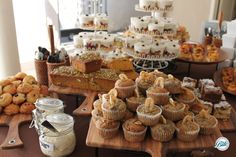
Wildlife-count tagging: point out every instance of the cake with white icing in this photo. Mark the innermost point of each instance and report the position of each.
(130, 41)
(91, 44)
(86, 20)
(101, 22)
(148, 4)
(156, 28)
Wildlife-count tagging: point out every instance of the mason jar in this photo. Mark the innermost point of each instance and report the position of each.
(60, 142)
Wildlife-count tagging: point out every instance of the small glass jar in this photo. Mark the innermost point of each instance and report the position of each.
(44, 107)
(61, 142)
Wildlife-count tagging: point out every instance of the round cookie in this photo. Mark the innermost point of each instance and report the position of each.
(11, 88)
(5, 99)
(18, 98)
(27, 108)
(32, 96)
(17, 83)
(44, 90)
(5, 82)
(20, 75)
(12, 78)
(36, 87)
(29, 79)
(11, 109)
(24, 88)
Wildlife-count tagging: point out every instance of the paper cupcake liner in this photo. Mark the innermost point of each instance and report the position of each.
(125, 92)
(208, 130)
(174, 115)
(108, 133)
(187, 136)
(162, 137)
(112, 115)
(148, 120)
(131, 105)
(159, 98)
(134, 136)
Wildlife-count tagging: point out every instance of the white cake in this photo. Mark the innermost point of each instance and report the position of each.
(164, 4)
(91, 44)
(142, 49)
(130, 41)
(156, 28)
(147, 4)
(86, 20)
(101, 22)
(172, 49)
(149, 18)
(157, 49)
(140, 25)
(78, 41)
(106, 42)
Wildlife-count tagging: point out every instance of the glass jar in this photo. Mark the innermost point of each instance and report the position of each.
(44, 107)
(61, 142)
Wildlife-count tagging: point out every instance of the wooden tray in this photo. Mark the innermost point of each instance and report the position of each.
(154, 148)
(230, 125)
(218, 82)
(13, 139)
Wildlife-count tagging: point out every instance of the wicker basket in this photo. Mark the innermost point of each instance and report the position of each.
(41, 71)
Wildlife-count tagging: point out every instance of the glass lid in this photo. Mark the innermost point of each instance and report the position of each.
(49, 104)
(60, 119)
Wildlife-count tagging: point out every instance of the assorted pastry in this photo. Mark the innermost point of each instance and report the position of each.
(19, 93)
(152, 5)
(228, 78)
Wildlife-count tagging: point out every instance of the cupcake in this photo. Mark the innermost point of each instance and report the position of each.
(125, 86)
(134, 130)
(187, 130)
(158, 73)
(187, 96)
(207, 122)
(128, 115)
(158, 93)
(113, 108)
(149, 113)
(174, 111)
(173, 85)
(96, 114)
(133, 102)
(163, 131)
(107, 128)
(97, 104)
(145, 81)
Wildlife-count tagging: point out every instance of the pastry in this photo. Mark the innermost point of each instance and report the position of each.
(78, 41)
(174, 111)
(32, 96)
(107, 43)
(187, 96)
(11, 88)
(86, 20)
(164, 4)
(147, 4)
(172, 49)
(140, 25)
(27, 108)
(198, 53)
(142, 49)
(18, 98)
(130, 41)
(211, 93)
(185, 52)
(101, 22)
(20, 75)
(222, 110)
(173, 85)
(96, 114)
(29, 79)
(134, 130)
(102, 80)
(24, 88)
(145, 81)
(199, 105)
(87, 62)
(158, 93)
(5, 99)
(187, 129)
(36, 87)
(11, 109)
(122, 64)
(205, 82)
(149, 113)
(125, 86)
(113, 108)
(157, 50)
(107, 128)
(91, 44)
(156, 28)
(44, 90)
(189, 83)
(158, 73)
(17, 83)
(207, 123)
(163, 131)
(133, 102)
(5, 82)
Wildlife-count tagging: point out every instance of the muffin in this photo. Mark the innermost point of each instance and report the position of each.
(107, 128)
(97, 104)
(125, 87)
(114, 108)
(133, 102)
(144, 81)
(96, 114)
(207, 122)
(134, 130)
(149, 113)
(187, 96)
(173, 85)
(163, 131)
(174, 111)
(128, 115)
(187, 130)
(158, 93)
(158, 73)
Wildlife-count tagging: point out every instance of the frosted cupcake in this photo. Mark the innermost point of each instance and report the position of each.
(97, 104)
(149, 113)
(134, 130)
(207, 123)
(125, 87)
(107, 128)
(133, 102)
(187, 130)
(163, 131)
(96, 114)
(113, 108)
(173, 85)
(158, 93)
(174, 111)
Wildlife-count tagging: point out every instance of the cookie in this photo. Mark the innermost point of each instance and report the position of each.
(24, 88)
(12, 78)
(29, 79)
(18, 98)
(5, 99)
(5, 82)
(44, 90)
(20, 75)
(32, 96)
(11, 109)
(11, 88)
(36, 87)
(17, 83)
(27, 108)
(1, 90)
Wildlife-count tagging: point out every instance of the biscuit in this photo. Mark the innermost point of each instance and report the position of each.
(32, 96)
(36, 87)
(11, 78)
(17, 83)
(29, 79)
(11, 88)
(11, 109)
(27, 108)
(24, 88)
(5, 99)
(5, 82)
(20, 75)
(18, 98)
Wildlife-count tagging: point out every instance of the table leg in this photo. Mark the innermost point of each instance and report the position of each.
(189, 68)
(96, 152)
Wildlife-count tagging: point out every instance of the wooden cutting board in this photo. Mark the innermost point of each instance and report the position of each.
(154, 148)
(230, 125)
(12, 139)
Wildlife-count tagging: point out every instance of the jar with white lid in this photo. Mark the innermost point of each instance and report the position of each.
(44, 107)
(60, 142)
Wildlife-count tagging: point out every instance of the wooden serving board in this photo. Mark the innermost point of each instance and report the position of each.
(230, 125)
(154, 148)
(12, 139)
